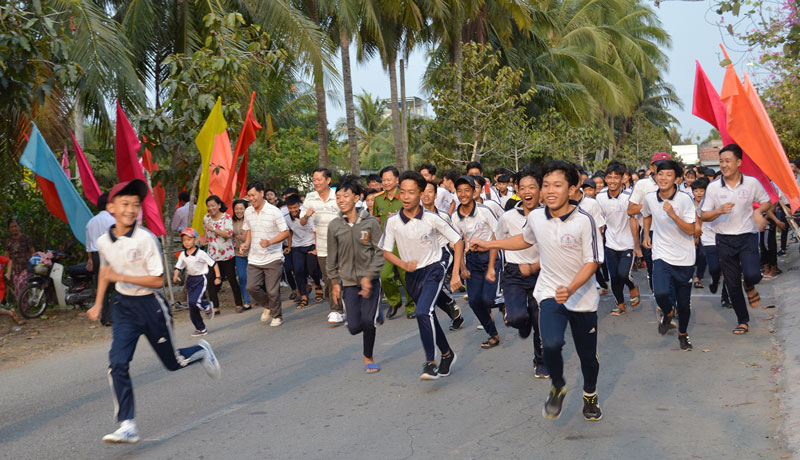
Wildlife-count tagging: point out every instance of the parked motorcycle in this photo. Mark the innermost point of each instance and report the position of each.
(50, 283)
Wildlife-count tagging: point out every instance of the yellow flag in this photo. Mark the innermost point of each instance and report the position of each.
(215, 124)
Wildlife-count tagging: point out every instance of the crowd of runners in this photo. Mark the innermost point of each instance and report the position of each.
(535, 249)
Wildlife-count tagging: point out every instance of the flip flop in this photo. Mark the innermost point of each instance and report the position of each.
(302, 304)
(617, 311)
(753, 298)
(635, 299)
(739, 330)
(372, 368)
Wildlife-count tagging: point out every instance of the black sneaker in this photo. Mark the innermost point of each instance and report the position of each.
(457, 323)
(446, 362)
(392, 311)
(713, 287)
(781, 252)
(540, 371)
(453, 310)
(664, 324)
(727, 304)
(429, 372)
(525, 330)
(686, 344)
(591, 408)
(552, 407)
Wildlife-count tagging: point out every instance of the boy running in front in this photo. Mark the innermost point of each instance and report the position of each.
(130, 257)
(569, 253)
(196, 262)
(416, 233)
(354, 261)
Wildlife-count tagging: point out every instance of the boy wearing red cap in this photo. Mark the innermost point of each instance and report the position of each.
(196, 262)
(130, 257)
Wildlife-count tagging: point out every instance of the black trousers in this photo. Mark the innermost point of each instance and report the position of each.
(227, 268)
(739, 258)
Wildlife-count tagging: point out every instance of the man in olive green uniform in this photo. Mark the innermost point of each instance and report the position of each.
(387, 203)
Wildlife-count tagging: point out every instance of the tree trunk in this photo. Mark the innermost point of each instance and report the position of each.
(352, 140)
(77, 119)
(404, 112)
(399, 161)
(458, 58)
(319, 90)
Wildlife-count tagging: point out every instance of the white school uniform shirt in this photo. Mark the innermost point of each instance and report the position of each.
(503, 199)
(443, 199)
(618, 223)
(324, 213)
(708, 237)
(97, 226)
(495, 207)
(590, 205)
(479, 223)
(565, 245)
(302, 235)
(417, 237)
(670, 243)
(511, 224)
(264, 225)
(135, 253)
(642, 188)
(195, 264)
(443, 214)
(740, 220)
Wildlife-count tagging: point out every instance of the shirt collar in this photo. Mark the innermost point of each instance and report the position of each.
(725, 184)
(472, 213)
(565, 216)
(518, 208)
(619, 192)
(128, 234)
(405, 218)
(394, 197)
(658, 195)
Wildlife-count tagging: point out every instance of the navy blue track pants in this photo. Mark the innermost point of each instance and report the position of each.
(553, 320)
(362, 312)
(522, 311)
(480, 291)
(424, 286)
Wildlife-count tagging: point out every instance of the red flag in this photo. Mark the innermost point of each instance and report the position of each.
(128, 168)
(90, 188)
(51, 200)
(708, 106)
(246, 137)
(749, 124)
(147, 159)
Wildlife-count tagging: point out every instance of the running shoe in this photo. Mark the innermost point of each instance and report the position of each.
(446, 363)
(276, 322)
(591, 408)
(686, 344)
(335, 318)
(727, 304)
(392, 311)
(713, 287)
(540, 371)
(663, 325)
(457, 323)
(552, 407)
(199, 333)
(265, 316)
(127, 433)
(209, 308)
(429, 372)
(210, 362)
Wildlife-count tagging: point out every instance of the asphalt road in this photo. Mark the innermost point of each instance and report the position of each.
(298, 392)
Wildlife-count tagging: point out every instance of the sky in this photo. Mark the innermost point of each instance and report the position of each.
(689, 23)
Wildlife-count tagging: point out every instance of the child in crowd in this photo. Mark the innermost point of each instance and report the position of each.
(196, 262)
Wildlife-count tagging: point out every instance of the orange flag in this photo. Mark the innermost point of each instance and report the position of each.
(749, 124)
(220, 166)
(246, 137)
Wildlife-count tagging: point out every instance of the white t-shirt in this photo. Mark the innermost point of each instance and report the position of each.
(134, 254)
(641, 188)
(618, 223)
(264, 225)
(497, 210)
(195, 264)
(97, 226)
(670, 243)
(479, 223)
(590, 205)
(511, 224)
(565, 245)
(740, 220)
(443, 199)
(708, 236)
(324, 213)
(417, 237)
(302, 235)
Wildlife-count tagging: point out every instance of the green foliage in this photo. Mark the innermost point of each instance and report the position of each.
(287, 160)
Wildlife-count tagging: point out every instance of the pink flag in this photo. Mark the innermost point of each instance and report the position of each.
(129, 168)
(90, 188)
(65, 162)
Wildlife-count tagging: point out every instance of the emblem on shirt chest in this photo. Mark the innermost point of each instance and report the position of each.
(366, 235)
(569, 241)
(133, 255)
(742, 194)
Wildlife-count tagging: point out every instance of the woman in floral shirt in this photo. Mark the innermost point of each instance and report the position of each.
(241, 256)
(219, 237)
(20, 250)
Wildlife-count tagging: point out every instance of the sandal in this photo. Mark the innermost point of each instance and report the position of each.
(372, 368)
(318, 291)
(293, 295)
(618, 310)
(740, 330)
(302, 304)
(752, 297)
(698, 285)
(635, 299)
(239, 309)
(491, 342)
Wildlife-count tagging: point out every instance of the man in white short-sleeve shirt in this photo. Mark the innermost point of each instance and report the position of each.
(569, 251)
(728, 205)
(265, 230)
(670, 213)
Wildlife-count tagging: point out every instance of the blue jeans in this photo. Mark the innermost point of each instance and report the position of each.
(241, 273)
(481, 292)
(553, 319)
(669, 279)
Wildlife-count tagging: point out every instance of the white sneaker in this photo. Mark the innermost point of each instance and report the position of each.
(335, 318)
(284, 284)
(276, 322)
(265, 316)
(127, 433)
(480, 327)
(210, 362)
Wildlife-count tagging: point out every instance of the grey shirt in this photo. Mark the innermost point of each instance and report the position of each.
(353, 250)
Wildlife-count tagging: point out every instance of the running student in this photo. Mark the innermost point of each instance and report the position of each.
(354, 265)
(130, 257)
(196, 262)
(416, 233)
(708, 243)
(474, 220)
(301, 250)
(568, 242)
(670, 213)
(445, 300)
(621, 237)
(522, 268)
